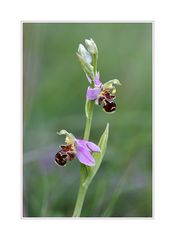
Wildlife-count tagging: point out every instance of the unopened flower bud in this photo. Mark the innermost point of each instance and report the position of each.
(84, 53)
(91, 46)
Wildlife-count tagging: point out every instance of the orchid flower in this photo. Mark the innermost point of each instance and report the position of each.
(82, 149)
(103, 94)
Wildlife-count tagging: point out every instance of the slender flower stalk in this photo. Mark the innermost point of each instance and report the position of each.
(89, 120)
(83, 169)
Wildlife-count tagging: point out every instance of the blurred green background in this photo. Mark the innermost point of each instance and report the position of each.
(54, 88)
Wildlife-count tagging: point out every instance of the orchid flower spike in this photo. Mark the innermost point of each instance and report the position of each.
(103, 94)
(73, 148)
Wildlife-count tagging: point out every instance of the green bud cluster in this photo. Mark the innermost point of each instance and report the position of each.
(87, 56)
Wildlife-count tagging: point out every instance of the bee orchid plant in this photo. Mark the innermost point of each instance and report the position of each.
(89, 154)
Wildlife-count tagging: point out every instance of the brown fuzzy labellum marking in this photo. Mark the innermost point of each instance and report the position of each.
(109, 106)
(106, 99)
(60, 158)
(67, 153)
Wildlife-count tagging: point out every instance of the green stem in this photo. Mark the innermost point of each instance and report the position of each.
(80, 200)
(89, 121)
(83, 168)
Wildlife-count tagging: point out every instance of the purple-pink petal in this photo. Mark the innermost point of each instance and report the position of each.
(92, 93)
(84, 156)
(93, 147)
(82, 143)
(88, 145)
(97, 79)
(84, 149)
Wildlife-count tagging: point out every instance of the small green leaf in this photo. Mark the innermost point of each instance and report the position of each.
(98, 156)
(87, 107)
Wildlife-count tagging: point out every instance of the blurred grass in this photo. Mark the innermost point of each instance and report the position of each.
(54, 98)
